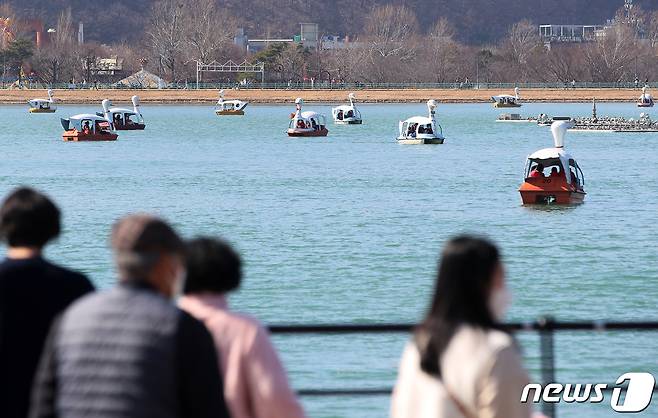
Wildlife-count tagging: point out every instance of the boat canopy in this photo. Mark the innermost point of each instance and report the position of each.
(48, 101)
(554, 156)
(507, 98)
(87, 116)
(76, 121)
(346, 112)
(310, 114)
(344, 108)
(37, 102)
(549, 154)
(123, 111)
(419, 119)
(306, 120)
(229, 104)
(646, 98)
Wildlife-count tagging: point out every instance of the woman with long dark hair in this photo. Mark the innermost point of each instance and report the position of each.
(461, 361)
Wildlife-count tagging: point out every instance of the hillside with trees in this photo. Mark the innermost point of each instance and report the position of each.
(474, 21)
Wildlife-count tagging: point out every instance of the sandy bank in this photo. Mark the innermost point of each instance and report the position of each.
(331, 96)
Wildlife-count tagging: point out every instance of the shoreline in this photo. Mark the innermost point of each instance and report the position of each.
(257, 96)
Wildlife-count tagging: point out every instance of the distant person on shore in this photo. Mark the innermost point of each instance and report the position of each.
(129, 351)
(461, 362)
(33, 292)
(255, 383)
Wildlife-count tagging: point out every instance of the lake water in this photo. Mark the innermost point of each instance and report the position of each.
(347, 229)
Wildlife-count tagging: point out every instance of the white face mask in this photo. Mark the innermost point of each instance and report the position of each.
(179, 284)
(499, 301)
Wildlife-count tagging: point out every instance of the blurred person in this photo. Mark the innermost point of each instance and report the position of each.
(555, 172)
(574, 179)
(537, 171)
(129, 351)
(33, 291)
(461, 361)
(255, 383)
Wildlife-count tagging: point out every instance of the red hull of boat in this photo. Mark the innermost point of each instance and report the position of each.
(80, 137)
(321, 132)
(542, 191)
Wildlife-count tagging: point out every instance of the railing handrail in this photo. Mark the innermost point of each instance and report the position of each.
(539, 325)
(546, 327)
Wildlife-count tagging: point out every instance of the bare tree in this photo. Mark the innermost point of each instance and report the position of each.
(564, 63)
(293, 62)
(520, 52)
(166, 34)
(652, 28)
(523, 40)
(611, 55)
(390, 42)
(206, 29)
(444, 51)
(390, 28)
(348, 64)
(58, 60)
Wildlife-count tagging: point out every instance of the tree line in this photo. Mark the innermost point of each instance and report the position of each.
(392, 46)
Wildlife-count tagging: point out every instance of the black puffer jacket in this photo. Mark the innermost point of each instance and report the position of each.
(128, 352)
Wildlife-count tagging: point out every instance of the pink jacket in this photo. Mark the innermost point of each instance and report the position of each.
(255, 384)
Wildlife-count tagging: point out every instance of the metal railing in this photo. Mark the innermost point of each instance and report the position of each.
(326, 85)
(545, 327)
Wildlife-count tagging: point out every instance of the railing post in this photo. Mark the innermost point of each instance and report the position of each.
(547, 351)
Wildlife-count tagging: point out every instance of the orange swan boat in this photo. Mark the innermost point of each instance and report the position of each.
(564, 184)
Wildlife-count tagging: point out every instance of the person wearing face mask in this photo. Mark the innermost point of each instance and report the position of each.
(130, 351)
(461, 362)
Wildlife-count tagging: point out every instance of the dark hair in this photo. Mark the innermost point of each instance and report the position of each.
(461, 297)
(28, 218)
(212, 266)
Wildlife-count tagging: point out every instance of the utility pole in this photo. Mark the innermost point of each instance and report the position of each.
(477, 71)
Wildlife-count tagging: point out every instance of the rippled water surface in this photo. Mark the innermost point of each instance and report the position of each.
(348, 228)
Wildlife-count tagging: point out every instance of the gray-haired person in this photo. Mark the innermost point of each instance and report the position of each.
(129, 351)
